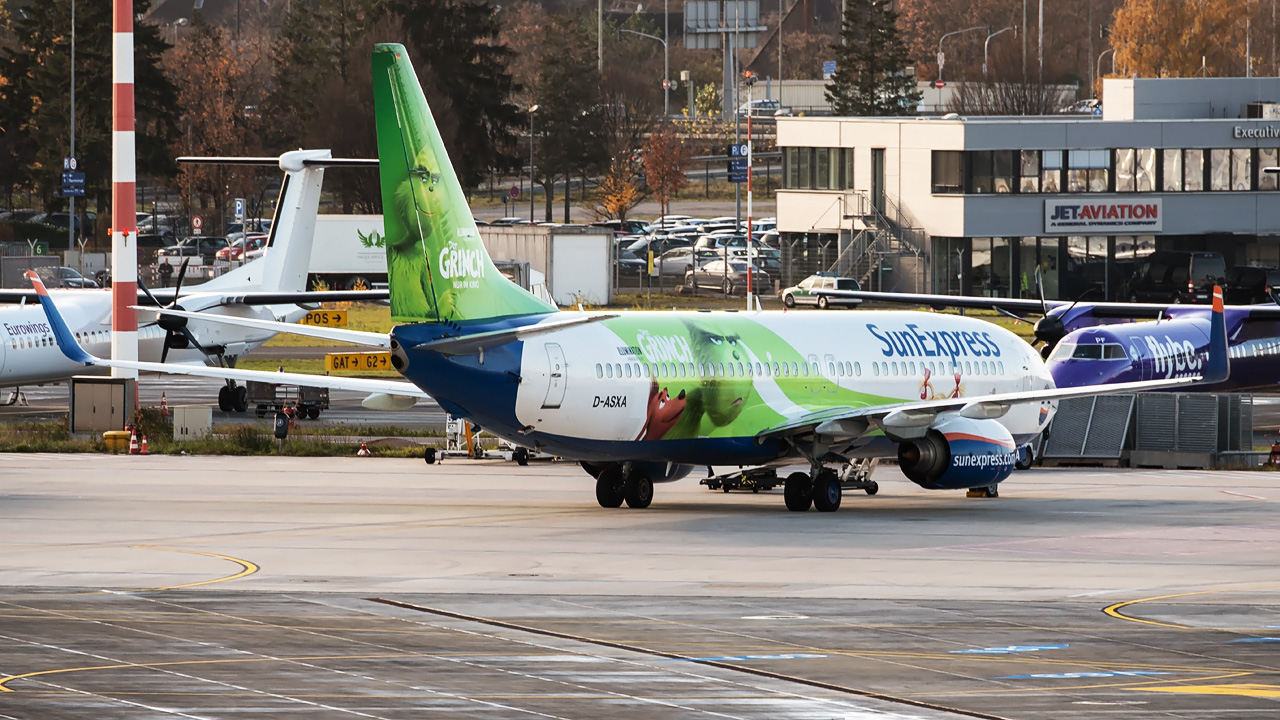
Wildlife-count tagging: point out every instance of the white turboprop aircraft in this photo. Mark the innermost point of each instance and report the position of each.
(268, 288)
(644, 397)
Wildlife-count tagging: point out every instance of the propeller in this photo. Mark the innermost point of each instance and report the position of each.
(1050, 329)
(177, 335)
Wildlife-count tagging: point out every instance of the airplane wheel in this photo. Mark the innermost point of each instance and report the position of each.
(639, 492)
(430, 455)
(872, 488)
(1024, 458)
(520, 456)
(797, 492)
(224, 399)
(240, 399)
(610, 487)
(827, 492)
(823, 302)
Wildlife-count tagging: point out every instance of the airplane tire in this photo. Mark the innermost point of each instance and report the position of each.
(827, 492)
(639, 492)
(610, 487)
(796, 492)
(224, 399)
(240, 399)
(520, 456)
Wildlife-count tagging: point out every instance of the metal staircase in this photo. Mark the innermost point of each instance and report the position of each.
(877, 240)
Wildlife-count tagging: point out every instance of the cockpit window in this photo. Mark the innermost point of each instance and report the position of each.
(1107, 351)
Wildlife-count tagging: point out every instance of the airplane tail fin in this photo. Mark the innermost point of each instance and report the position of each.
(1218, 367)
(437, 266)
(283, 268)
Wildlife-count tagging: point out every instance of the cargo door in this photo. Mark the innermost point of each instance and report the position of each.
(555, 376)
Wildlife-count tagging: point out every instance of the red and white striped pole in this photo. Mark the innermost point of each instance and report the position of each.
(124, 220)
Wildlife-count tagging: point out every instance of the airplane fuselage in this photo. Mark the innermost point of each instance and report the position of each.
(699, 387)
(1176, 347)
(29, 355)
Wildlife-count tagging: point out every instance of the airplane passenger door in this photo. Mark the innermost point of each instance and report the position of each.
(555, 376)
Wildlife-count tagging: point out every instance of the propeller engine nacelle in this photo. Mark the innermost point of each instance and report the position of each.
(958, 453)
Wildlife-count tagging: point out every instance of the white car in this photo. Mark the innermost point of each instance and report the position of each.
(762, 108)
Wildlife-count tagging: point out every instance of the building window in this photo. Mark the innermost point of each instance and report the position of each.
(1193, 170)
(1267, 157)
(824, 167)
(1030, 172)
(948, 171)
(1230, 169)
(1135, 170)
(847, 168)
(991, 171)
(1088, 170)
(1172, 170)
(1051, 171)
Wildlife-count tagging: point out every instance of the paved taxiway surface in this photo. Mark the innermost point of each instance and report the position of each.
(227, 587)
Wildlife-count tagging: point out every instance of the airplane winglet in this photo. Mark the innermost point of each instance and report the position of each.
(65, 338)
(1218, 367)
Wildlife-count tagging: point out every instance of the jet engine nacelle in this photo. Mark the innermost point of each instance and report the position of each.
(958, 453)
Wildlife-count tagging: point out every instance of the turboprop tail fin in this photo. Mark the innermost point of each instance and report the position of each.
(437, 266)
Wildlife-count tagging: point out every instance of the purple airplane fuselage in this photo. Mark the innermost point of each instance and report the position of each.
(1111, 350)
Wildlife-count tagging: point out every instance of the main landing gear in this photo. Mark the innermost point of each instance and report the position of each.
(233, 398)
(616, 484)
(820, 488)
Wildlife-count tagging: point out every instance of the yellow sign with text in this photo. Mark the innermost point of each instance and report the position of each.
(325, 318)
(356, 361)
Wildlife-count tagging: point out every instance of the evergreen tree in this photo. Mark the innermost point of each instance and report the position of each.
(870, 63)
(569, 125)
(35, 102)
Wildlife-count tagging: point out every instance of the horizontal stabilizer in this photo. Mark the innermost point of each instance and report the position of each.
(355, 337)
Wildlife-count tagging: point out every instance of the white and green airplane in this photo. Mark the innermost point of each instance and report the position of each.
(644, 397)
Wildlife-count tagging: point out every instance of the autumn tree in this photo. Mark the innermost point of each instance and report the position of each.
(664, 165)
(618, 192)
(1171, 38)
(871, 60)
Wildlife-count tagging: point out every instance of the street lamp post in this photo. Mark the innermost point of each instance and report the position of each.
(986, 46)
(1097, 71)
(666, 72)
(532, 109)
(941, 57)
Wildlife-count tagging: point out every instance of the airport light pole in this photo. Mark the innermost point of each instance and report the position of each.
(666, 70)
(124, 196)
(941, 57)
(1097, 73)
(986, 47)
(532, 109)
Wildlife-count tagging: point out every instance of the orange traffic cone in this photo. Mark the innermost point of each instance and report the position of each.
(133, 442)
(164, 404)
(144, 450)
(364, 450)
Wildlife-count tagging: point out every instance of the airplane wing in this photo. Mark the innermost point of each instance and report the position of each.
(1025, 305)
(69, 347)
(850, 421)
(468, 344)
(355, 337)
(249, 298)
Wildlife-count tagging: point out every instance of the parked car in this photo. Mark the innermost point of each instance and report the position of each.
(731, 280)
(1247, 285)
(237, 248)
(1170, 276)
(677, 262)
(624, 227)
(629, 265)
(762, 108)
(806, 293)
(659, 245)
(63, 277)
(765, 258)
(205, 248)
(22, 216)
